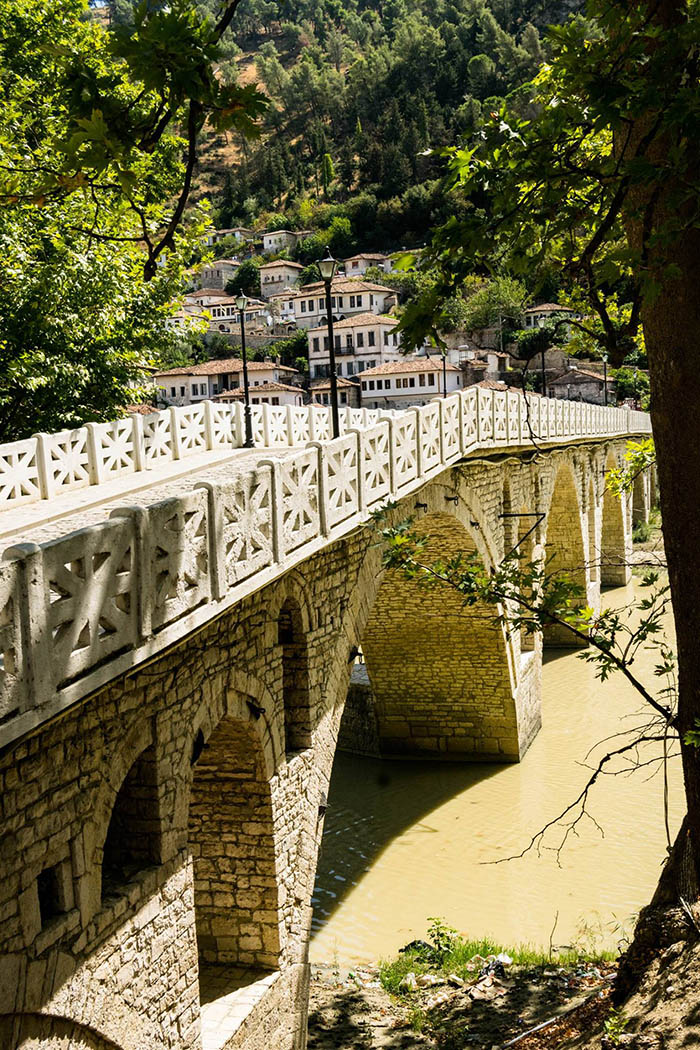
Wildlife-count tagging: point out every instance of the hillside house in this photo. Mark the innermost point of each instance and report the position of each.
(282, 306)
(279, 275)
(278, 240)
(582, 384)
(356, 265)
(266, 394)
(348, 393)
(190, 384)
(348, 297)
(239, 233)
(400, 384)
(218, 272)
(225, 316)
(536, 316)
(361, 342)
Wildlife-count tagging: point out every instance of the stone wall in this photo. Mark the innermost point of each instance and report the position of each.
(185, 762)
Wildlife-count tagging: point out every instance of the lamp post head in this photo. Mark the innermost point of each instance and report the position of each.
(241, 302)
(328, 266)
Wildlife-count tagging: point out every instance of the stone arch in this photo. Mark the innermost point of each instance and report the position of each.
(230, 833)
(291, 639)
(35, 1030)
(443, 676)
(615, 535)
(133, 838)
(565, 546)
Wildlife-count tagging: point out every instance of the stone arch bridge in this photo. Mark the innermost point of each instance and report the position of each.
(173, 680)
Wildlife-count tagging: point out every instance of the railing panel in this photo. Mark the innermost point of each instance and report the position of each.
(256, 422)
(429, 435)
(469, 415)
(67, 460)
(12, 674)
(158, 438)
(116, 448)
(513, 405)
(299, 499)
(91, 598)
(299, 420)
(177, 557)
(19, 473)
(376, 463)
(222, 425)
(192, 431)
(405, 456)
(485, 405)
(341, 459)
(450, 427)
(277, 431)
(246, 507)
(500, 417)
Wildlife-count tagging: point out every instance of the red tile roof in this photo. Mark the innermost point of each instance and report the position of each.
(359, 321)
(417, 364)
(222, 366)
(263, 388)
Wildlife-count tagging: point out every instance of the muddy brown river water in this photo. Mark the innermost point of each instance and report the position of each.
(405, 841)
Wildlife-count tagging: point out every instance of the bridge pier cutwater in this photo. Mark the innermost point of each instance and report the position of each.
(172, 688)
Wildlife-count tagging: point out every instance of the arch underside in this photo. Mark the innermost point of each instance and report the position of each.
(443, 679)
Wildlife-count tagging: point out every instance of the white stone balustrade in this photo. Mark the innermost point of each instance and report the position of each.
(79, 610)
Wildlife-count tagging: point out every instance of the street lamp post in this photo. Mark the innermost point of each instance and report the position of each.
(544, 376)
(241, 303)
(328, 268)
(605, 379)
(444, 375)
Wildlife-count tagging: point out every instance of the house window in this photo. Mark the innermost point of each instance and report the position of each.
(358, 300)
(182, 391)
(173, 391)
(395, 338)
(336, 342)
(348, 341)
(364, 384)
(326, 344)
(303, 307)
(421, 379)
(340, 302)
(371, 300)
(316, 345)
(386, 339)
(350, 368)
(340, 368)
(352, 301)
(412, 381)
(355, 265)
(370, 338)
(343, 399)
(371, 364)
(275, 401)
(360, 339)
(431, 379)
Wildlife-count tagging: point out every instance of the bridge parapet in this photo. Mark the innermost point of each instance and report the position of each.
(77, 611)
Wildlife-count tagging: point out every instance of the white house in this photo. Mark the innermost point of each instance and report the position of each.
(205, 297)
(276, 276)
(239, 233)
(356, 265)
(348, 297)
(360, 342)
(225, 316)
(412, 381)
(266, 394)
(218, 272)
(189, 384)
(536, 316)
(277, 240)
(348, 393)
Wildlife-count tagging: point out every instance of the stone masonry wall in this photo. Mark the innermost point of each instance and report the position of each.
(82, 968)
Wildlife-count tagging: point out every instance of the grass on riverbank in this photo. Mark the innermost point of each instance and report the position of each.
(447, 952)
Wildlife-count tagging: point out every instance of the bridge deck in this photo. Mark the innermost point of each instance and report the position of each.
(77, 509)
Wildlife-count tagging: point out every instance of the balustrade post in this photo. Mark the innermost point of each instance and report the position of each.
(289, 419)
(37, 684)
(419, 445)
(94, 451)
(275, 507)
(217, 554)
(360, 439)
(138, 441)
(43, 465)
(138, 517)
(209, 424)
(322, 485)
(175, 432)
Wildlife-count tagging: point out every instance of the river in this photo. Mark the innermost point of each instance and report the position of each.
(405, 841)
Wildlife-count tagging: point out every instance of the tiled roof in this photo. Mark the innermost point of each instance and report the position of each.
(324, 384)
(281, 262)
(418, 364)
(264, 388)
(366, 255)
(215, 262)
(218, 292)
(221, 367)
(359, 321)
(548, 308)
(572, 373)
(346, 285)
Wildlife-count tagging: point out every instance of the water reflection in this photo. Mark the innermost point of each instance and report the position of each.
(405, 841)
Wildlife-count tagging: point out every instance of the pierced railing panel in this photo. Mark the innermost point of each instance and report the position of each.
(513, 406)
(276, 431)
(177, 556)
(257, 425)
(19, 472)
(192, 430)
(429, 436)
(485, 405)
(158, 442)
(91, 598)
(223, 427)
(500, 416)
(405, 451)
(115, 445)
(299, 421)
(376, 463)
(341, 482)
(67, 460)
(246, 507)
(469, 418)
(451, 446)
(298, 496)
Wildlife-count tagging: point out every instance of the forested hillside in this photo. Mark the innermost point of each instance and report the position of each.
(358, 93)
